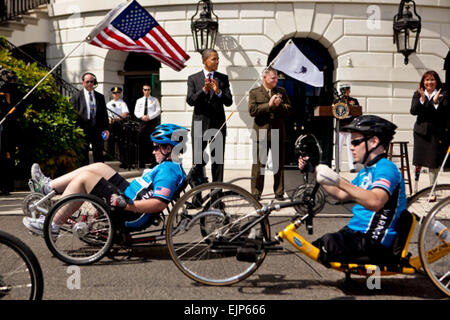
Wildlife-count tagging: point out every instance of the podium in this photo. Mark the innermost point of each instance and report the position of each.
(330, 111)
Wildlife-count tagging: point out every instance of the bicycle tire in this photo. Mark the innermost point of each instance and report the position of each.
(87, 236)
(211, 259)
(14, 266)
(434, 246)
(418, 202)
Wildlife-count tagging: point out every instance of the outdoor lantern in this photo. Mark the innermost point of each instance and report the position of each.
(406, 29)
(204, 27)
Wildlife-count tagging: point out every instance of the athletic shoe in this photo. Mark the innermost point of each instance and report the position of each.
(36, 226)
(40, 181)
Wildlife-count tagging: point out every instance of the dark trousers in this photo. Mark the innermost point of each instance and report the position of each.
(346, 244)
(200, 159)
(258, 169)
(93, 137)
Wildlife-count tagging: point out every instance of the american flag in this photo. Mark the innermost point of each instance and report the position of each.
(129, 27)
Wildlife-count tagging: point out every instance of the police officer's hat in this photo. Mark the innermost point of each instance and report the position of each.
(116, 89)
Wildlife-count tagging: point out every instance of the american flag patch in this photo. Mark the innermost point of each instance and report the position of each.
(382, 183)
(162, 191)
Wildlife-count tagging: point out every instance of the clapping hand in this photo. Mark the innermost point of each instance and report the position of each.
(436, 97)
(275, 100)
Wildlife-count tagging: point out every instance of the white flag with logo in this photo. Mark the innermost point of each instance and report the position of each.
(292, 62)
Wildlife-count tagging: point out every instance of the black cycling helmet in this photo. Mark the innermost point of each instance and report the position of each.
(372, 126)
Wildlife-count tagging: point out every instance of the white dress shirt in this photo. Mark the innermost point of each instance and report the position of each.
(153, 107)
(118, 107)
(88, 103)
(430, 97)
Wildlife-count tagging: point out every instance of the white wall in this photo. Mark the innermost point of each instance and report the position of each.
(357, 34)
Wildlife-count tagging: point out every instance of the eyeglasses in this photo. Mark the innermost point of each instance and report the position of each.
(156, 147)
(146, 89)
(357, 142)
(89, 81)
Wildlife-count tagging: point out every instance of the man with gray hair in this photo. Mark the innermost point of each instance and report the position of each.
(208, 92)
(269, 105)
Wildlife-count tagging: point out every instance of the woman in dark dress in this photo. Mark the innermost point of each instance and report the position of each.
(431, 131)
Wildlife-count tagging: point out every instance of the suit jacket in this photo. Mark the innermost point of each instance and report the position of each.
(268, 117)
(430, 121)
(208, 108)
(101, 116)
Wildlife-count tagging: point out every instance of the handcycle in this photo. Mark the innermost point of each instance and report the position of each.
(238, 236)
(20, 272)
(240, 240)
(95, 229)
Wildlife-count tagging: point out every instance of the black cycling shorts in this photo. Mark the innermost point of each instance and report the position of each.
(105, 188)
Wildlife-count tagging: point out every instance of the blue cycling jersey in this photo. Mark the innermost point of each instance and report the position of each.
(161, 182)
(380, 225)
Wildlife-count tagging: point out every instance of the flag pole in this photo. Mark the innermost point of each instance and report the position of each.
(257, 80)
(42, 80)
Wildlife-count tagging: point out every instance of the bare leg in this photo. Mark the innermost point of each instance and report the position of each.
(99, 169)
(83, 182)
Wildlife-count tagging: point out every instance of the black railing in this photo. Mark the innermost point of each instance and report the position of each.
(9, 9)
(65, 88)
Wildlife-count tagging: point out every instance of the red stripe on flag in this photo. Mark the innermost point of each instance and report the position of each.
(173, 43)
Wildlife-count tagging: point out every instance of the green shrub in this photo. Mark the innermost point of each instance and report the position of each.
(45, 129)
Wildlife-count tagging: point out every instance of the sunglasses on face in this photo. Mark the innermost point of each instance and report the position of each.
(89, 81)
(146, 89)
(357, 142)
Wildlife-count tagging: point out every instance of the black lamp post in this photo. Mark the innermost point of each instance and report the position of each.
(406, 29)
(204, 26)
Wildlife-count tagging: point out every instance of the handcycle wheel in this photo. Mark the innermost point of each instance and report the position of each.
(418, 203)
(32, 198)
(434, 245)
(20, 272)
(303, 192)
(199, 239)
(86, 236)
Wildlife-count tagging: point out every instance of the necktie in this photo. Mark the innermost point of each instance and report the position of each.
(145, 107)
(209, 76)
(92, 108)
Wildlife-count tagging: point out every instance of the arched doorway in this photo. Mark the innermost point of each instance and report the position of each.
(304, 98)
(140, 68)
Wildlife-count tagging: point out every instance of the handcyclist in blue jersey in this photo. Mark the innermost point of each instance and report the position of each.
(378, 190)
(147, 194)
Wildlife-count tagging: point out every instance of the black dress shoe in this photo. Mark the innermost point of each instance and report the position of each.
(279, 197)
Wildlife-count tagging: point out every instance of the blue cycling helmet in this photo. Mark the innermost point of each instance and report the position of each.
(163, 134)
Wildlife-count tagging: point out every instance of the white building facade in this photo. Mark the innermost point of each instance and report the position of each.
(357, 35)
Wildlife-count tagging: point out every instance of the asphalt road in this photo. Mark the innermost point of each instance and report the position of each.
(147, 273)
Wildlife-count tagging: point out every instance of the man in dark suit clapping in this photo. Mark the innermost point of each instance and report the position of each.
(208, 92)
(92, 116)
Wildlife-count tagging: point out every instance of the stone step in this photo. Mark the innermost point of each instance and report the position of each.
(4, 31)
(15, 25)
